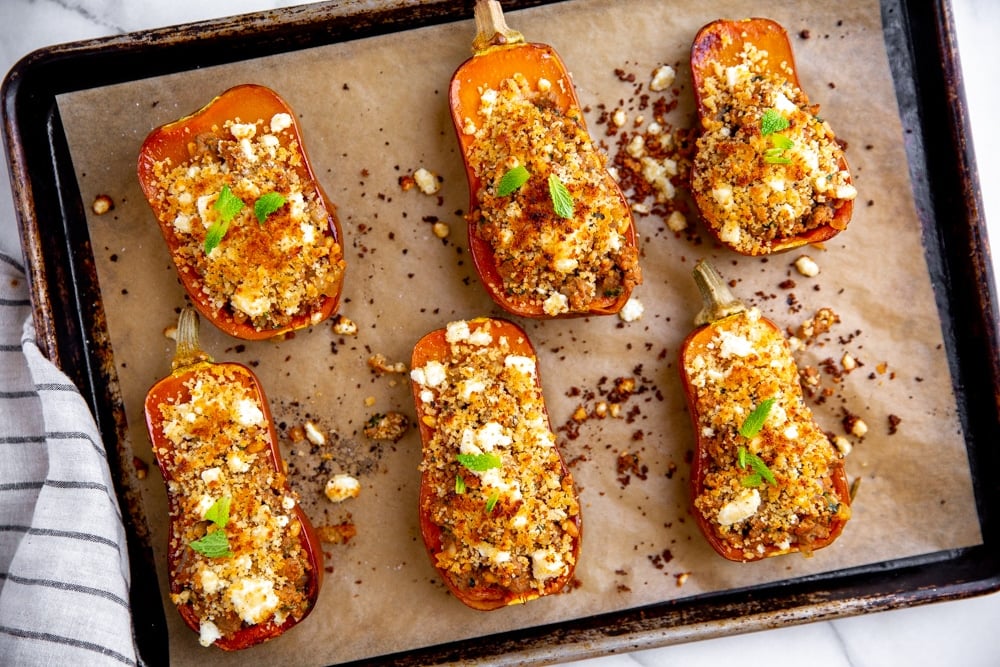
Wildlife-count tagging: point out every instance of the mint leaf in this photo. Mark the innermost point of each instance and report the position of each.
(741, 456)
(267, 204)
(218, 513)
(562, 201)
(459, 485)
(772, 122)
(755, 420)
(512, 180)
(227, 205)
(214, 235)
(491, 502)
(213, 545)
(479, 462)
(760, 468)
(781, 142)
(761, 472)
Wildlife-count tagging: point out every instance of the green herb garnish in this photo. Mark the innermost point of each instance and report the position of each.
(218, 513)
(267, 204)
(227, 205)
(776, 154)
(459, 485)
(213, 545)
(512, 180)
(479, 462)
(562, 201)
(491, 502)
(751, 427)
(761, 472)
(755, 420)
(772, 122)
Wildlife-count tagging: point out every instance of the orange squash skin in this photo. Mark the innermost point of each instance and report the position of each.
(171, 141)
(172, 388)
(489, 69)
(721, 42)
(434, 346)
(695, 344)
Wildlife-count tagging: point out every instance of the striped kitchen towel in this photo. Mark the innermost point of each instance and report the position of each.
(64, 574)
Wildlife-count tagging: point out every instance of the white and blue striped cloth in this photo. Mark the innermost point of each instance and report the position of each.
(64, 574)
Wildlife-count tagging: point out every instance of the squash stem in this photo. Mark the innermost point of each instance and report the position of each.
(188, 348)
(491, 28)
(717, 300)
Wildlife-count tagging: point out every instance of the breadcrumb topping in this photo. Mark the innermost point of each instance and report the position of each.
(515, 525)
(564, 263)
(748, 362)
(267, 273)
(752, 187)
(219, 449)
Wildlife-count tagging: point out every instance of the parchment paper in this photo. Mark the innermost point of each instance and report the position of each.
(374, 110)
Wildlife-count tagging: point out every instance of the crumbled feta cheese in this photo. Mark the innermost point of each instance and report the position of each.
(663, 78)
(342, 486)
(313, 433)
(243, 131)
(555, 304)
(743, 507)
(430, 375)
(427, 181)
(676, 221)
(208, 633)
(806, 266)
(280, 121)
(236, 463)
(632, 310)
(734, 345)
(344, 326)
(546, 564)
(253, 599)
(248, 413)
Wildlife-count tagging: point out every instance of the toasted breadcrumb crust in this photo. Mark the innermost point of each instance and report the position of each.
(484, 399)
(747, 362)
(219, 448)
(268, 273)
(749, 199)
(564, 264)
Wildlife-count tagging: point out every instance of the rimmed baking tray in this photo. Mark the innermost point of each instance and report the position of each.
(923, 55)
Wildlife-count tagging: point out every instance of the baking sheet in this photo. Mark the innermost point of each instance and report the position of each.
(367, 121)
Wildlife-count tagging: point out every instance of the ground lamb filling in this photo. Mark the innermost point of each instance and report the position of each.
(747, 363)
(514, 526)
(220, 444)
(268, 273)
(564, 264)
(747, 192)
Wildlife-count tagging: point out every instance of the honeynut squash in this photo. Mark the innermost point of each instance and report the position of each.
(550, 232)
(244, 563)
(765, 480)
(768, 173)
(255, 241)
(499, 513)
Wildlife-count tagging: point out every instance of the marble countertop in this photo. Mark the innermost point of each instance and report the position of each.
(954, 633)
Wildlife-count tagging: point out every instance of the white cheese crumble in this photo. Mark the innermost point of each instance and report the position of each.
(342, 486)
(743, 507)
(208, 633)
(427, 181)
(632, 310)
(663, 78)
(253, 599)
